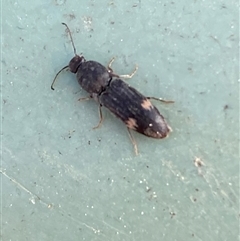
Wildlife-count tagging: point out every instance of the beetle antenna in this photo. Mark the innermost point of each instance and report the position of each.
(74, 49)
(57, 76)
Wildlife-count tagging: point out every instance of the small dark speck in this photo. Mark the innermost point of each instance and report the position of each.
(149, 189)
(60, 152)
(194, 199)
(226, 107)
(196, 189)
(72, 16)
(198, 162)
(89, 142)
(112, 22)
(172, 214)
(147, 166)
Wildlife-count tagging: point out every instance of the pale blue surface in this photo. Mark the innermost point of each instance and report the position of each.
(91, 186)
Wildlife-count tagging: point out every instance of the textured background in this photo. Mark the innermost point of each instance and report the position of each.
(61, 180)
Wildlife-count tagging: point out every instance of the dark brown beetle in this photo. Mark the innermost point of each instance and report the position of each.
(125, 102)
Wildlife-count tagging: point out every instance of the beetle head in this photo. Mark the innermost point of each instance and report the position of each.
(75, 62)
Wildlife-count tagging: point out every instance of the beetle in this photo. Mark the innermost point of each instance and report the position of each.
(109, 90)
(92, 76)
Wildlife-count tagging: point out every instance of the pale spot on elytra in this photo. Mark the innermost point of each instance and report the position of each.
(131, 123)
(146, 104)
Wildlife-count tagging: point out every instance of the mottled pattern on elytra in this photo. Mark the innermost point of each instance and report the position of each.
(128, 104)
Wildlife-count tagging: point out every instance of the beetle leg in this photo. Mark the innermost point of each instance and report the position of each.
(85, 98)
(133, 141)
(125, 76)
(161, 99)
(100, 115)
(110, 63)
(129, 76)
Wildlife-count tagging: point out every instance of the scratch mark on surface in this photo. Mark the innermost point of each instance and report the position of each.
(174, 170)
(53, 160)
(189, 230)
(92, 228)
(117, 230)
(96, 231)
(208, 173)
(33, 198)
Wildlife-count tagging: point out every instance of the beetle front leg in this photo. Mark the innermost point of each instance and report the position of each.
(125, 76)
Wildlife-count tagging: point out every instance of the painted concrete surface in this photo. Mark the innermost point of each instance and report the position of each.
(62, 180)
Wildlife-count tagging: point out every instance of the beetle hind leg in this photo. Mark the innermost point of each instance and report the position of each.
(161, 99)
(133, 141)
